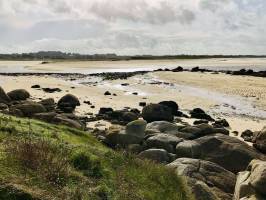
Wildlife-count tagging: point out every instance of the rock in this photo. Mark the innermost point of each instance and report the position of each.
(28, 109)
(51, 90)
(167, 128)
(87, 102)
(104, 111)
(259, 140)
(207, 180)
(129, 116)
(181, 114)
(47, 117)
(221, 123)
(135, 110)
(116, 137)
(107, 93)
(15, 112)
(202, 121)
(18, 95)
(157, 155)
(135, 148)
(36, 86)
(188, 149)
(172, 105)
(163, 141)
(247, 135)
(136, 128)
(68, 103)
(4, 98)
(258, 176)
(228, 152)
(251, 183)
(157, 112)
(194, 132)
(62, 120)
(142, 104)
(3, 106)
(49, 104)
(198, 113)
(178, 69)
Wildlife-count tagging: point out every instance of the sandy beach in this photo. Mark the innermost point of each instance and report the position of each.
(241, 100)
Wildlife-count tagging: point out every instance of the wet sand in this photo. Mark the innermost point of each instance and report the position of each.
(241, 100)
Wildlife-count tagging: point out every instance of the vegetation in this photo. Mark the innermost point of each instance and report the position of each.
(57, 55)
(44, 161)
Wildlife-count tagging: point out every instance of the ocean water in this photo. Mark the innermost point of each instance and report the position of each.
(88, 67)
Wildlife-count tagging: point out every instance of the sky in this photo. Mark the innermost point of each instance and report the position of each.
(134, 27)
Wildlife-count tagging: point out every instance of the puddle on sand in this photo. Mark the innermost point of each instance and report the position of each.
(227, 104)
(127, 89)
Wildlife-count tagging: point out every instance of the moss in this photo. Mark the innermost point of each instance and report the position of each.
(96, 172)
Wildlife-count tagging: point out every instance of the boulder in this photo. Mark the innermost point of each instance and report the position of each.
(228, 152)
(194, 132)
(157, 155)
(164, 126)
(258, 176)
(62, 120)
(4, 98)
(251, 183)
(29, 108)
(49, 104)
(172, 105)
(129, 117)
(157, 112)
(207, 180)
(47, 116)
(188, 149)
(136, 128)
(163, 141)
(167, 128)
(68, 103)
(133, 134)
(198, 113)
(120, 138)
(18, 95)
(259, 140)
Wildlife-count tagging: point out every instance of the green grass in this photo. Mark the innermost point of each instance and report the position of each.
(93, 170)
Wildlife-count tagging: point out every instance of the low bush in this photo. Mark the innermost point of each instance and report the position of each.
(90, 167)
(49, 159)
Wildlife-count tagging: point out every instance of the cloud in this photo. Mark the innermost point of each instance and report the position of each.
(134, 26)
(142, 11)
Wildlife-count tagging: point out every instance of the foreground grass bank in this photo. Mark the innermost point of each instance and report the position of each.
(44, 161)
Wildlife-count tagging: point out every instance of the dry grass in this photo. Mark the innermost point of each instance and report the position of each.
(48, 159)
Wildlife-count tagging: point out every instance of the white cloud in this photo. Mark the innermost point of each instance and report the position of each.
(134, 26)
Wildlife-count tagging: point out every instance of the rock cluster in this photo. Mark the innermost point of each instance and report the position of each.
(204, 153)
(18, 103)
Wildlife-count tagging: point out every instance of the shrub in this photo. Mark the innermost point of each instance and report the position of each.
(48, 159)
(90, 167)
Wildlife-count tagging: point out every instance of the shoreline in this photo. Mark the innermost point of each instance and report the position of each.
(92, 88)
